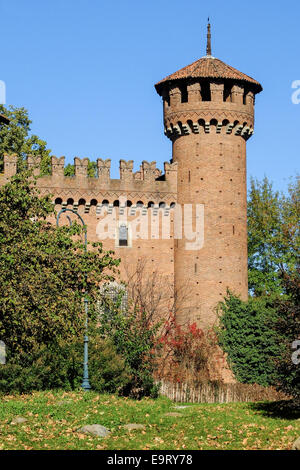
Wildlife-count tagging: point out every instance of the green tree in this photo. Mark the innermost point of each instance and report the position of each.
(44, 271)
(273, 235)
(59, 366)
(91, 170)
(134, 335)
(287, 328)
(247, 335)
(16, 138)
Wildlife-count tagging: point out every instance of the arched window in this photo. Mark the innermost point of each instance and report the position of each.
(58, 201)
(140, 204)
(114, 298)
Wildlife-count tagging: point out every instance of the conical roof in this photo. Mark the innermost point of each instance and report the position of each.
(211, 68)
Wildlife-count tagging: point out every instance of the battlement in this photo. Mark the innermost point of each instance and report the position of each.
(215, 108)
(148, 185)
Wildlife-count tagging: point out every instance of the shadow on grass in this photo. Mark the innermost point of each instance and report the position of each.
(285, 409)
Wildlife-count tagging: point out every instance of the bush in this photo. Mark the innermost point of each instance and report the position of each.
(107, 369)
(133, 335)
(287, 328)
(184, 352)
(246, 334)
(61, 368)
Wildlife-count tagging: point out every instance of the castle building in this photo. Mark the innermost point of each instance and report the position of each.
(208, 116)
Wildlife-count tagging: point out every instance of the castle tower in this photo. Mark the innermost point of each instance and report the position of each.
(209, 116)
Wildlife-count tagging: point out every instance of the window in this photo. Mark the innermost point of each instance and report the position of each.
(184, 94)
(114, 298)
(205, 91)
(123, 235)
(167, 99)
(227, 92)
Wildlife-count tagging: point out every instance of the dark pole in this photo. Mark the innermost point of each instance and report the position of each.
(85, 382)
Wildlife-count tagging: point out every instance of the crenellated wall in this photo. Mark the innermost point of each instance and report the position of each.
(209, 107)
(145, 199)
(148, 184)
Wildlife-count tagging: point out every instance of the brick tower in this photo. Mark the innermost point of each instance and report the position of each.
(209, 116)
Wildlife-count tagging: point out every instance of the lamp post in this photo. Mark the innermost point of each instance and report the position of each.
(85, 382)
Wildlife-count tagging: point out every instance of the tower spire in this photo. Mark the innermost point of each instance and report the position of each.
(208, 47)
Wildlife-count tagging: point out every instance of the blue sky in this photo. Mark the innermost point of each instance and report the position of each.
(86, 69)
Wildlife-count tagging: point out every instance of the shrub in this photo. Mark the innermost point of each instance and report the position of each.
(61, 367)
(185, 352)
(246, 334)
(287, 329)
(133, 335)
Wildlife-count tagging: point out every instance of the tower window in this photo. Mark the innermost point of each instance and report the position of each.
(167, 99)
(205, 91)
(227, 97)
(123, 235)
(166, 96)
(184, 94)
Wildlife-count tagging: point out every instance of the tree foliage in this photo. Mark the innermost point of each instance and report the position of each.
(185, 352)
(133, 334)
(246, 334)
(16, 138)
(59, 366)
(273, 235)
(287, 328)
(91, 170)
(44, 271)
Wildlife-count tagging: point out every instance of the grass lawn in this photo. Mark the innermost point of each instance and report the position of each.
(53, 420)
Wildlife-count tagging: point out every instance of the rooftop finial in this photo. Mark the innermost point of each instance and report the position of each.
(208, 48)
